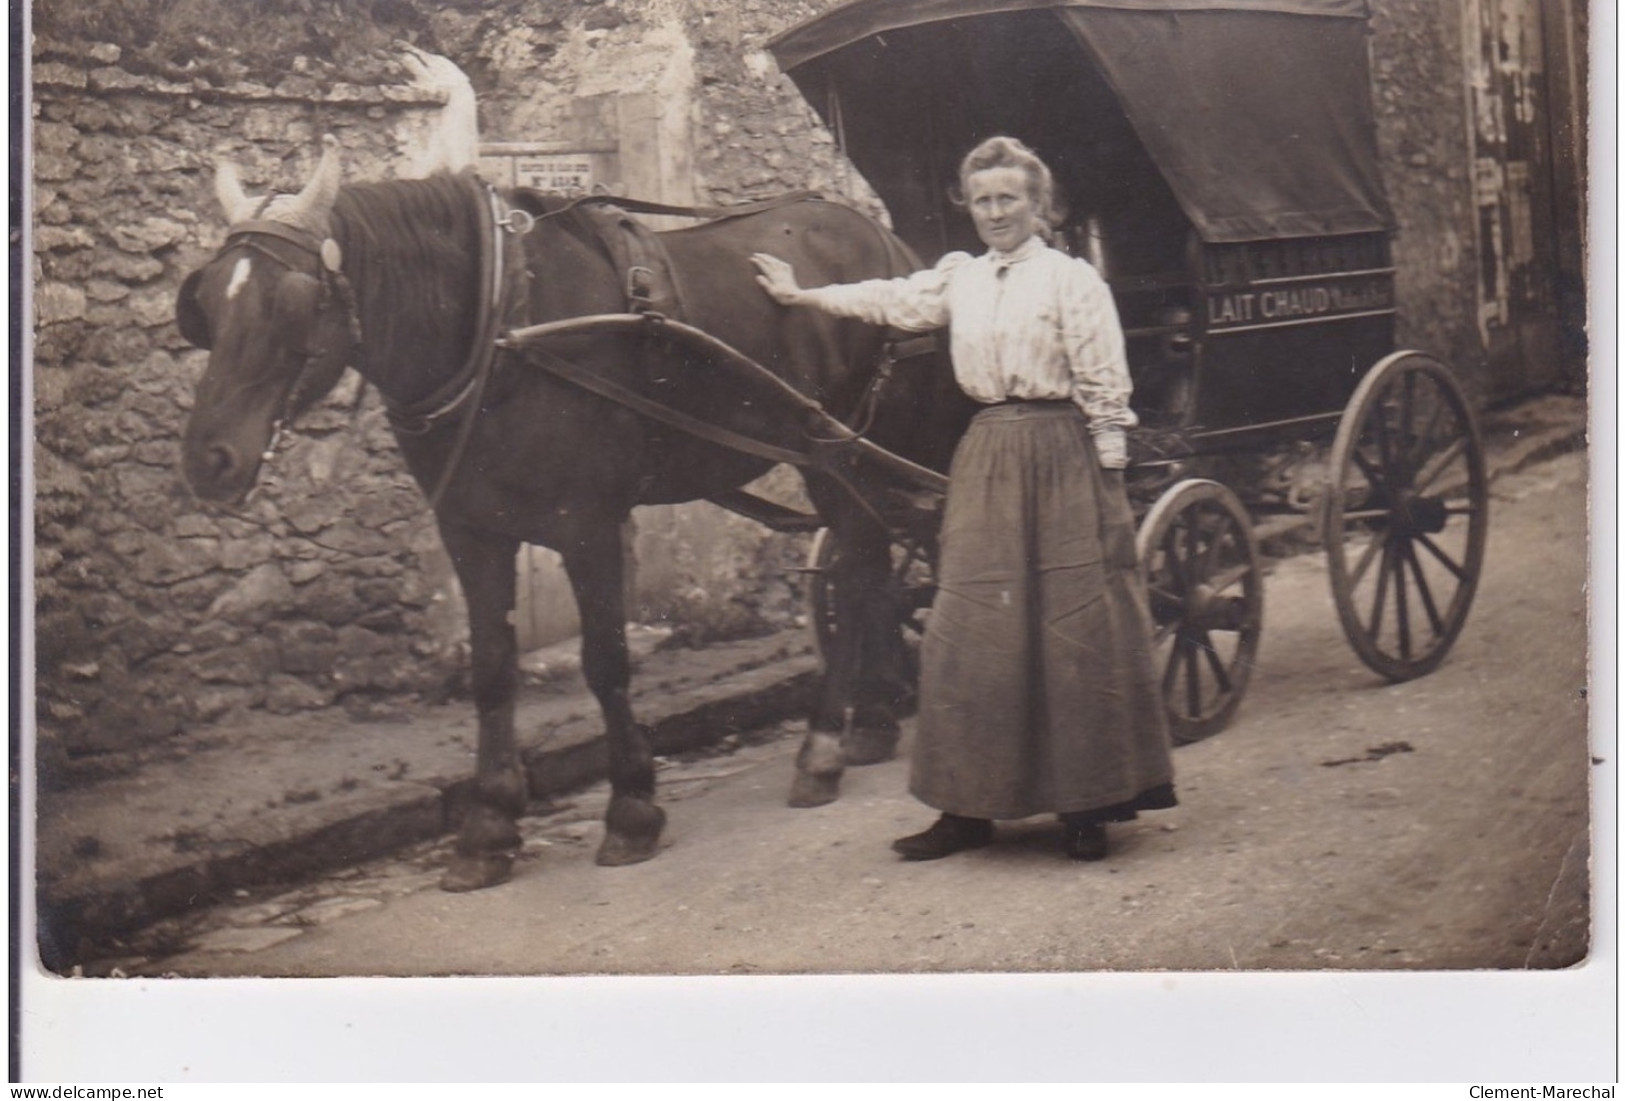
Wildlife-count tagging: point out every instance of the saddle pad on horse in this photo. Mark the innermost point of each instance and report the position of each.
(635, 251)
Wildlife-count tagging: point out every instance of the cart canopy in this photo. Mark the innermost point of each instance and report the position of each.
(1255, 114)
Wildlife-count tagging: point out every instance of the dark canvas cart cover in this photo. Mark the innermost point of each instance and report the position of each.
(1257, 113)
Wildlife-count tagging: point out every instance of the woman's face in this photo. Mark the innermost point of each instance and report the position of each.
(1002, 207)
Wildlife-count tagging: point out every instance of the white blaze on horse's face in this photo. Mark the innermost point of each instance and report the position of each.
(239, 276)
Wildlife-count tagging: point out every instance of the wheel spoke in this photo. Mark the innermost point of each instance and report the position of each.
(1176, 657)
(1216, 540)
(1160, 635)
(1385, 443)
(1402, 613)
(1370, 552)
(1365, 514)
(1172, 559)
(1222, 581)
(1444, 559)
(1167, 596)
(1426, 594)
(1439, 464)
(1406, 426)
(1216, 663)
(1193, 683)
(1439, 406)
(1189, 560)
(1376, 479)
(1379, 601)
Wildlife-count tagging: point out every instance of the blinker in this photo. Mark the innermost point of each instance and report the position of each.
(296, 295)
(332, 255)
(189, 316)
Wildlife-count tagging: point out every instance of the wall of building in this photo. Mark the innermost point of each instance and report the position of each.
(1421, 113)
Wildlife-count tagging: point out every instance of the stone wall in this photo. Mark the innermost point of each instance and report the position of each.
(1419, 94)
(150, 613)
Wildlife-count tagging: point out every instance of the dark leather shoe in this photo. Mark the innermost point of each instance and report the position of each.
(1086, 840)
(948, 835)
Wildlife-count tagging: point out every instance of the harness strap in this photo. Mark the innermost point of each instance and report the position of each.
(712, 213)
(614, 391)
(836, 435)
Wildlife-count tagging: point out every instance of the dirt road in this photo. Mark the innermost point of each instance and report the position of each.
(1340, 823)
(1340, 826)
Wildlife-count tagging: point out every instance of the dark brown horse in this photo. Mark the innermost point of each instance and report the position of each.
(387, 277)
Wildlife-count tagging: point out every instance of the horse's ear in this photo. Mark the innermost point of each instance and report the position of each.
(189, 316)
(323, 187)
(228, 189)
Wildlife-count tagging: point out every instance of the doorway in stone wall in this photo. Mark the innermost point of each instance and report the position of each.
(1526, 84)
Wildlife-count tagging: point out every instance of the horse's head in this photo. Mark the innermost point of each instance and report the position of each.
(277, 317)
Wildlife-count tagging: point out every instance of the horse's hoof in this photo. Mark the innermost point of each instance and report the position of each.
(864, 746)
(473, 873)
(619, 850)
(815, 789)
(632, 830)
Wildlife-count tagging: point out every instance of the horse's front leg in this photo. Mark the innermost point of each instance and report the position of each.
(489, 837)
(633, 822)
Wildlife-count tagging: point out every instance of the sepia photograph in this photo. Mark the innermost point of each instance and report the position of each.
(760, 488)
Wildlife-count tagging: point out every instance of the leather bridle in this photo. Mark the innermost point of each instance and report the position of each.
(271, 240)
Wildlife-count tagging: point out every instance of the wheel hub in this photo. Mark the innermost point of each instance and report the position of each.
(1420, 515)
(1211, 611)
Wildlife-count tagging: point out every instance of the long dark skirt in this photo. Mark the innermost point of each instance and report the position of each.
(1038, 692)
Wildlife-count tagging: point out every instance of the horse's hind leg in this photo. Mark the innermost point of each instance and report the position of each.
(489, 838)
(869, 730)
(633, 822)
(853, 721)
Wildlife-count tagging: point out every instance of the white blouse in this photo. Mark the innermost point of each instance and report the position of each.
(1030, 323)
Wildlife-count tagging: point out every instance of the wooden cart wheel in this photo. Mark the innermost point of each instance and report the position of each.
(1406, 515)
(1207, 603)
(912, 588)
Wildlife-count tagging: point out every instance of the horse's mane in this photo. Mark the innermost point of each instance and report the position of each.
(411, 250)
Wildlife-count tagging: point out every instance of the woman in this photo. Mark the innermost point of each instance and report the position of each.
(1037, 691)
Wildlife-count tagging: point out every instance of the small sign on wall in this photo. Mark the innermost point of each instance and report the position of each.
(563, 174)
(549, 166)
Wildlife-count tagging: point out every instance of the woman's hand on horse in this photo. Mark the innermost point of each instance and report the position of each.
(777, 278)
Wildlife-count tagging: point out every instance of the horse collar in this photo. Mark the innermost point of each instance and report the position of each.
(497, 296)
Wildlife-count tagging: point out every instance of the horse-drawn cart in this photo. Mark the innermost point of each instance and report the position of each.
(1237, 213)
(1218, 164)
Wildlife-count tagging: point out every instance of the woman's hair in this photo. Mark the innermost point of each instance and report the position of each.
(1003, 152)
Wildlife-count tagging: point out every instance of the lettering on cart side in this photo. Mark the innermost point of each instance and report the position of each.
(1303, 301)
(1230, 309)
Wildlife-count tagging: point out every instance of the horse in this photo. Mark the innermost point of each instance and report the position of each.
(391, 278)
